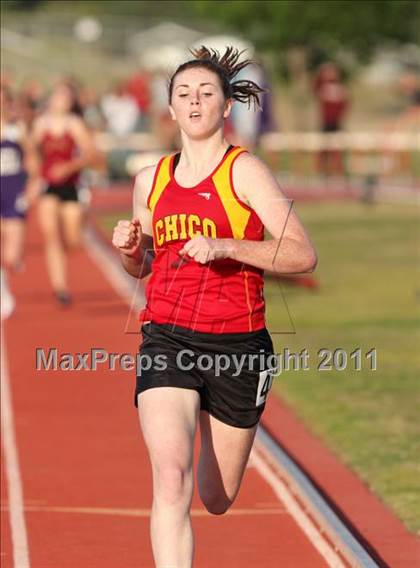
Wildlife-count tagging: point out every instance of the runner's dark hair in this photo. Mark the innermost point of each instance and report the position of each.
(226, 67)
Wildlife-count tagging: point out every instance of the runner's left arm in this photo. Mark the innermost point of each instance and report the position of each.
(289, 251)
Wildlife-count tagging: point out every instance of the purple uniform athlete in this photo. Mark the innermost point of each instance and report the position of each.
(12, 173)
(18, 189)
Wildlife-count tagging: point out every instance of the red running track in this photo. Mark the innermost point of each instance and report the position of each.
(83, 465)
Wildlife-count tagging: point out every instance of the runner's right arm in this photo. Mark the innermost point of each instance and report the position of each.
(133, 239)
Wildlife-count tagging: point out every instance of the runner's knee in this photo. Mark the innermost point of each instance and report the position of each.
(50, 232)
(73, 243)
(10, 259)
(172, 483)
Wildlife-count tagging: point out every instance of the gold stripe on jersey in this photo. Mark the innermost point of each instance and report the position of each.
(162, 179)
(248, 303)
(237, 214)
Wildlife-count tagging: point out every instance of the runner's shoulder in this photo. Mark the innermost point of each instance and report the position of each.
(40, 124)
(247, 164)
(250, 175)
(144, 181)
(75, 124)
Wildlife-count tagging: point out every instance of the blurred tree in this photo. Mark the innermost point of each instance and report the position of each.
(329, 25)
(21, 4)
(326, 25)
(323, 27)
(168, 9)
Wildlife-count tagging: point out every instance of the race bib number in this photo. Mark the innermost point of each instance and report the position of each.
(10, 162)
(264, 386)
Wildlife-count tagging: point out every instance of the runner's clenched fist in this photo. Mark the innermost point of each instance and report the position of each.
(127, 237)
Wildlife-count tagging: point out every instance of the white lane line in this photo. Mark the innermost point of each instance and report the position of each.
(114, 274)
(146, 512)
(298, 514)
(129, 289)
(331, 525)
(11, 464)
(125, 285)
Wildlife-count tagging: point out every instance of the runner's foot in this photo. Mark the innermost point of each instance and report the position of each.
(8, 302)
(63, 297)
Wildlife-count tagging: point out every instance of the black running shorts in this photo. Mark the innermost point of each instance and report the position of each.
(230, 371)
(63, 192)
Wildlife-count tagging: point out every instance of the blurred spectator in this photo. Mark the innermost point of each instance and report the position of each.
(407, 121)
(120, 110)
(31, 100)
(248, 123)
(332, 97)
(164, 128)
(409, 85)
(91, 108)
(138, 86)
(333, 104)
(94, 119)
(6, 78)
(267, 122)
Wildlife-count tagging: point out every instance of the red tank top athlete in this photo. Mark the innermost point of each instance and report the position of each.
(206, 355)
(65, 147)
(58, 149)
(216, 297)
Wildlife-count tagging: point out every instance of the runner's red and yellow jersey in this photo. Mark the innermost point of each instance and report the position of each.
(222, 296)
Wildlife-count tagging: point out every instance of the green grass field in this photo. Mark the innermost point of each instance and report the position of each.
(369, 299)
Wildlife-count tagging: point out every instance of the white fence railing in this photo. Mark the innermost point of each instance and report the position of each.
(393, 155)
(358, 141)
(288, 141)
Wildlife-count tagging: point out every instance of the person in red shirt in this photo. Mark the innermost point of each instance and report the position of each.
(65, 147)
(333, 104)
(198, 227)
(138, 87)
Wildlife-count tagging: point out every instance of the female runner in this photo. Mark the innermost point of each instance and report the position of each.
(19, 174)
(198, 226)
(65, 147)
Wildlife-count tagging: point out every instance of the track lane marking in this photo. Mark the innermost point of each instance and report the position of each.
(299, 515)
(11, 465)
(146, 512)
